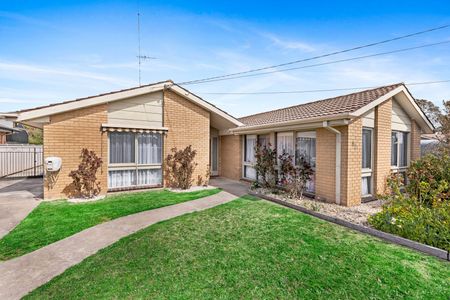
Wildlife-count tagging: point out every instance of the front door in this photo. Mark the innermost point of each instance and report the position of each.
(214, 156)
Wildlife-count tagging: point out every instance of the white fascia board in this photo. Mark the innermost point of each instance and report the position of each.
(202, 103)
(292, 123)
(364, 109)
(96, 100)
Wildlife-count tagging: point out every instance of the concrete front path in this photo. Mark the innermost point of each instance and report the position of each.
(18, 197)
(238, 188)
(21, 275)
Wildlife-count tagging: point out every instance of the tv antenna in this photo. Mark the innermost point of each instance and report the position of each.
(141, 57)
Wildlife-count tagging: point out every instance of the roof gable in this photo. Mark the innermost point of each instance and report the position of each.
(45, 111)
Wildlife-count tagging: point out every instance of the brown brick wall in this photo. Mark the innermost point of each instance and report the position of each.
(351, 163)
(325, 165)
(415, 140)
(382, 146)
(188, 124)
(64, 137)
(231, 156)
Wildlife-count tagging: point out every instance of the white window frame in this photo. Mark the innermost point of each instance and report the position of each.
(289, 134)
(311, 135)
(368, 172)
(134, 166)
(397, 168)
(246, 163)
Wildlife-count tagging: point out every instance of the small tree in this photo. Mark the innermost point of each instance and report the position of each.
(84, 178)
(179, 166)
(266, 159)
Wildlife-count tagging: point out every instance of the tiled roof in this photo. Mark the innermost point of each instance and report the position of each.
(321, 108)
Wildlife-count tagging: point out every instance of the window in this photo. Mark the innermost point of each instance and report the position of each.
(249, 156)
(366, 149)
(366, 186)
(366, 162)
(250, 143)
(134, 159)
(305, 146)
(399, 149)
(285, 143)
(263, 140)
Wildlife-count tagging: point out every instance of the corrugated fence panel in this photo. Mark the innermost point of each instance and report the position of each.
(21, 161)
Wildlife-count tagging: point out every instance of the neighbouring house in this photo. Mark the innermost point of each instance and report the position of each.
(353, 142)
(10, 131)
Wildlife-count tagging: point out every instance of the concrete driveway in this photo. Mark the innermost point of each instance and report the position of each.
(18, 197)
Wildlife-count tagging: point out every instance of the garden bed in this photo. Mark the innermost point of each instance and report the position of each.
(356, 214)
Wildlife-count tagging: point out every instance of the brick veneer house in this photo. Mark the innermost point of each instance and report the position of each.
(352, 141)
(132, 131)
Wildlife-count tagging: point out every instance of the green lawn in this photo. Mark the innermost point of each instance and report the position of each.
(251, 249)
(53, 221)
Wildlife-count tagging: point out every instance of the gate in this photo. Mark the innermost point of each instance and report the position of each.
(21, 161)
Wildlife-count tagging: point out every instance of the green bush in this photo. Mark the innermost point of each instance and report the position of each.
(422, 213)
(429, 178)
(409, 219)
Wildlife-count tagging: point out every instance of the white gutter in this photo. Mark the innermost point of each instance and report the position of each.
(338, 160)
(343, 116)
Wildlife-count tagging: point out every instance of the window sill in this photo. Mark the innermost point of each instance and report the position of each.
(133, 188)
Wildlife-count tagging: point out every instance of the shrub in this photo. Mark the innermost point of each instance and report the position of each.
(422, 213)
(294, 177)
(179, 167)
(406, 217)
(429, 178)
(85, 182)
(266, 160)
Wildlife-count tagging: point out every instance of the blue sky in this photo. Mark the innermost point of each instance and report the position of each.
(59, 50)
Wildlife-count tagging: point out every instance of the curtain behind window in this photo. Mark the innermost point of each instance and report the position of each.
(121, 147)
(250, 148)
(149, 148)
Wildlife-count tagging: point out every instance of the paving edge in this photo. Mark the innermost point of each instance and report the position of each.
(439, 253)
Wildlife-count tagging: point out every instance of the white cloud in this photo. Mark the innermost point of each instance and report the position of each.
(29, 71)
(289, 44)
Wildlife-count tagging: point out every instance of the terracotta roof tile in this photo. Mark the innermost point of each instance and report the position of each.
(327, 107)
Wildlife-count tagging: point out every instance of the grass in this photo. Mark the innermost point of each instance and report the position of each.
(251, 249)
(56, 220)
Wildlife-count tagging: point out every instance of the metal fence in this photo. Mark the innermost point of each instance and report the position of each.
(21, 161)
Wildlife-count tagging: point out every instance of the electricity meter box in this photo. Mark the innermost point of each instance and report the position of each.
(53, 164)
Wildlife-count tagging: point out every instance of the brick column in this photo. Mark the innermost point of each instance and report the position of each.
(231, 156)
(325, 165)
(351, 163)
(382, 146)
(415, 140)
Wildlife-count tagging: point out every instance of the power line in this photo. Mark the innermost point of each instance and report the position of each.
(321, 64)
(319, 56)
(319, 90)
